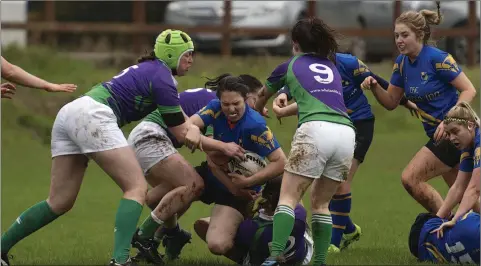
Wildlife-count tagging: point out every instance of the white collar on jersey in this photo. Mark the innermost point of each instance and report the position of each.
(264, 216)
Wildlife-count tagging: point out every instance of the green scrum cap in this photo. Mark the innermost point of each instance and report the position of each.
(170, 45)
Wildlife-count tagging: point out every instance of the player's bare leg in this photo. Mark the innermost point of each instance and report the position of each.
(67, 173)
(224, 222)
(185, 185)
(122, 166)
(423, 167)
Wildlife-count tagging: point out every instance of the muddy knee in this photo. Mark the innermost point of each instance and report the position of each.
(409, 181)
(219, 246)
(197, 188)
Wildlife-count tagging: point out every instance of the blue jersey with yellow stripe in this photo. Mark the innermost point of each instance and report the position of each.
(470, 157)
(353, 72)
(459, 244)
(427, 82)
(250, 132)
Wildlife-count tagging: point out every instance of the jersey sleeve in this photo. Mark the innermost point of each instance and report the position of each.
(466, 162)
(359, 71)
(285, 90)
(210, 112)
(445, 66)
(164, 90)
(262, 140)
(277, 79)
(396, 76)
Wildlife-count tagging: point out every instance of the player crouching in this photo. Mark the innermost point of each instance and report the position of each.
(459, 244)
(254, 235)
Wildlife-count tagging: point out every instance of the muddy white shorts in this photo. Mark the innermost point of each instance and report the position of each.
(151, 144)
(84, 126)
(322, 148)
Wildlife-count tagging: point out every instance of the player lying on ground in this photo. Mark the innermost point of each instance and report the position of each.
(462, 126)
(89, 127)
(353, 72)
(254, 235)
(431, 79)
(233, 121)
(156, 151)
(17, 75)
(323, 145)
(459, 244)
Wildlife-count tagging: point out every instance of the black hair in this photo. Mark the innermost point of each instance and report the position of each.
(227, 82)
(415, 232)
(272, 191)
(147, 57)
(252, 82)
(315, 36)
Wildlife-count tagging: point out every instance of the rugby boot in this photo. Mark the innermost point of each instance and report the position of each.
(274, 261)
(348, 239)
(4, 261)
(333, 249)
(174, 243)
(129, 262)
(155, 243)
(147, 250)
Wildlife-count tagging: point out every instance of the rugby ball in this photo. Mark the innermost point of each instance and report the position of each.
(253, 164)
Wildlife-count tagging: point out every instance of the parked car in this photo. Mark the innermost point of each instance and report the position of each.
(338, 14)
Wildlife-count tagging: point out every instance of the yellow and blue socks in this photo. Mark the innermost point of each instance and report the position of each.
(340, 207)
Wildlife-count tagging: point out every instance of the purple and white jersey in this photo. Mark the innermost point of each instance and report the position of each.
(138, 90)
(316, 86)
(254, 236)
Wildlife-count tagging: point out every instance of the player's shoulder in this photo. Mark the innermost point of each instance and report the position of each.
(346, 59)
(212, 106)
(158, 72)
(254, 119)
(436, 55)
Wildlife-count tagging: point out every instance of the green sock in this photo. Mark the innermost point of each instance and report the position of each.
(28, 222)
(283, 224)
(126, 220)
(148, 227)
(321, 234)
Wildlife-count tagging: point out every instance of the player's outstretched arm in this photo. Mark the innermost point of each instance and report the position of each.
(471, 195)
(455, 194)
(389, 98)
(17, 75)
(264, 95)
(281, 112)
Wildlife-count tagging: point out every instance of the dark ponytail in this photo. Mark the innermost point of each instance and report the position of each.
(314, 36)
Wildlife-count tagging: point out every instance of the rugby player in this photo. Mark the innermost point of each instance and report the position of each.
(459, 244)
(462, 127)
(323, 145)
(431, 79)
(254, 235)
(233, 121)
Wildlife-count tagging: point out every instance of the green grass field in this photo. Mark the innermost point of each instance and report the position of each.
(84, 236)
